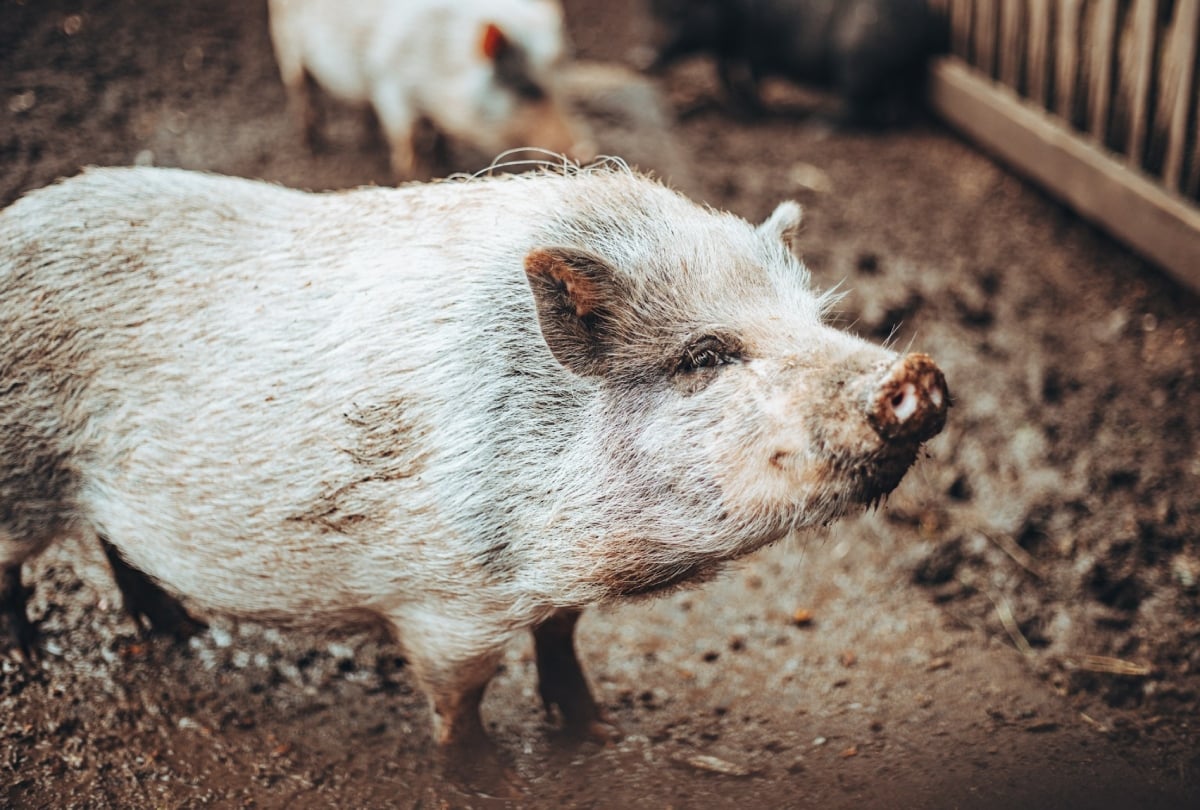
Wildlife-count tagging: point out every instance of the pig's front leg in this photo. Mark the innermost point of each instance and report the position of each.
(398, 119)
(561, 681)
(454, 662)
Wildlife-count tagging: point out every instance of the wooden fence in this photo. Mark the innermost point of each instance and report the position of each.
(1098, 100)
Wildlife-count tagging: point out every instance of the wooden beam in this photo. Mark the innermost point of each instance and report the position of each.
(1097, 184)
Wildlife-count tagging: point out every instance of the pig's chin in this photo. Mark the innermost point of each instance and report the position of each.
(874, 479)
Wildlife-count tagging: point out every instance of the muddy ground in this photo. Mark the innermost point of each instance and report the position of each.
(1016, 627)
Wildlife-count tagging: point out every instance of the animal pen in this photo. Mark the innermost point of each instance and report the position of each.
(1095, 100)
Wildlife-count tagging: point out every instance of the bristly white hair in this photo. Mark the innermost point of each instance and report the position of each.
(551, 163)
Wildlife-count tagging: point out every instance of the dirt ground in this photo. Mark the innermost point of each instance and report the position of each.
(1018, 626)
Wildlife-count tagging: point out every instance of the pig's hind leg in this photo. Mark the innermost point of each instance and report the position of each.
(301, 89)
(561, 681)
(400, 122)
(36, 480)
(877, 93)
(14, 597)
(308, 111)
(740, 81)
(152, 609)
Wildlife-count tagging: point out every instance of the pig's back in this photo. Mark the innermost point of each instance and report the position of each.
(245, 371)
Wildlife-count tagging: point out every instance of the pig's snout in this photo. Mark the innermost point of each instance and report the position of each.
(547, 126)
(910, 403)
(582, 150)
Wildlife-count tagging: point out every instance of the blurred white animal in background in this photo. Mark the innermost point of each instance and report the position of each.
(479, 71)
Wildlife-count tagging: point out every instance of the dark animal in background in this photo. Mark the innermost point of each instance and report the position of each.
(872, 53)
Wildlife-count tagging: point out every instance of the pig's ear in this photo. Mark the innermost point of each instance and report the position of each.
(575, 294)
(494, 43)
(784, 223)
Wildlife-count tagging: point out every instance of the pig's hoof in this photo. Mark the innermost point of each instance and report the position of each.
(480, 770)
(24, 636)
(592, 725)
(600, 731)
(14, 597)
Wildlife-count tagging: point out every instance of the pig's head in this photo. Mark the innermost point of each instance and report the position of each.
(518, 106)
(727, 413)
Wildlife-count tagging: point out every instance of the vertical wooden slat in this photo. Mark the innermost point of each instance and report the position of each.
(1102, 43)
(1066, 59)
(1139, 69)
(1191, 188)
(960, 28)
(1038, 52)
(1181, 69)
(1012, 37)
(985, 36)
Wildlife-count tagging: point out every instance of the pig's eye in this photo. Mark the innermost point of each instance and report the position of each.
(707, 352)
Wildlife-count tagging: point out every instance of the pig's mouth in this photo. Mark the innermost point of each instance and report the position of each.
(847, 479)
(875, 479)
(864, 476)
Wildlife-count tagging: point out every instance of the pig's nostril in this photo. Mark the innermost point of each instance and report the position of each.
(910, 403)
(905, 402)
(936, 396)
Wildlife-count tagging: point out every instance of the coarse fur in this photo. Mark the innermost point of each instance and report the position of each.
(462, 406)
(480, 71)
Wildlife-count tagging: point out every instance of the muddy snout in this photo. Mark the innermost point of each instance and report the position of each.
(909, 406)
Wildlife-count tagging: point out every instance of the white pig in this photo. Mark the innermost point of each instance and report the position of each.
(480, 71)
(467, 409)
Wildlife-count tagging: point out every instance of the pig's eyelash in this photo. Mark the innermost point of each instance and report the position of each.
(707, 352)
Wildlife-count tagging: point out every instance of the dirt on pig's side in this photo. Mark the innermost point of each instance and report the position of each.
(1016, 626)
